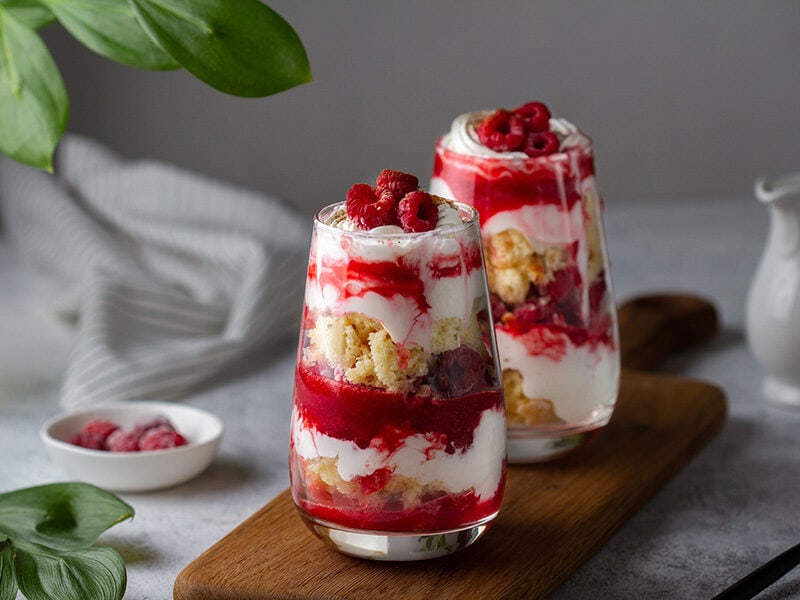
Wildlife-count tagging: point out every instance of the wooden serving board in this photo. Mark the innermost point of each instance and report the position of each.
(554, 516)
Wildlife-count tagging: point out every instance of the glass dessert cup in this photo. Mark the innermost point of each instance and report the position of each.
(552, 301)
(398, 445)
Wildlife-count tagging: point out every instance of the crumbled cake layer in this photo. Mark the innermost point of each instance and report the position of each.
(361, 351)
(512, 264)
(400, 491)
(521, 410)
(591, 204)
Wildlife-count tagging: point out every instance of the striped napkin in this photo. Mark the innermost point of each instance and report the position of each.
(171, 277)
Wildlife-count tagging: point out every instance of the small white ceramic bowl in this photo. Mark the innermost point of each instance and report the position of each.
(134, 471)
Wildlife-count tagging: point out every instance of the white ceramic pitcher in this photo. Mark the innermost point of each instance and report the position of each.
(773, 302)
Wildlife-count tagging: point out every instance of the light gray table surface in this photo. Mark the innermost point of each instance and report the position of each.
(734, 506)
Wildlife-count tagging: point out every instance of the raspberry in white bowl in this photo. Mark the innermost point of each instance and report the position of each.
(133, 446)
(149, 433)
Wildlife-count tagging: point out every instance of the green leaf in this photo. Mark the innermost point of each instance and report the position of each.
(110, 28)
(8, 583)
(44, 574)
(240, 47)
(60, 515)
(33, 101)
(31, 13)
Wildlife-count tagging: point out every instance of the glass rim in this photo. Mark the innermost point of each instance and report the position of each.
(473, 220)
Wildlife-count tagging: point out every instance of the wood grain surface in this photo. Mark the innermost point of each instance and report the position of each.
(554, 516)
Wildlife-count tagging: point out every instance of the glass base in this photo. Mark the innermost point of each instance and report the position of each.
(526, 446)
(396, 546)
(782, 393)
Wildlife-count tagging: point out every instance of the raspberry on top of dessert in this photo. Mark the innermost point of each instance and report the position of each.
(526, 129)
(395, 199)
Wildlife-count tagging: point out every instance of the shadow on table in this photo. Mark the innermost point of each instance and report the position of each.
(225, 474)
(133, 554)
(726, 339)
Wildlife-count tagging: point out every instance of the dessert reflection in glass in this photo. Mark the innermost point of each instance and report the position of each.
(531, 177)
(398, 445)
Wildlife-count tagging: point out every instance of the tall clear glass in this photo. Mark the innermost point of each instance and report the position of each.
(552, 302)
(398, 445)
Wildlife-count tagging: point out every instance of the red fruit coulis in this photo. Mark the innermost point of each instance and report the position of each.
(496, 185)
(382, 419)
(544, 330)
(448, 511)
(356, 277)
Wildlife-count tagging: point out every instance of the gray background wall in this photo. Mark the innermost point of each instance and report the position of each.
(682, 98)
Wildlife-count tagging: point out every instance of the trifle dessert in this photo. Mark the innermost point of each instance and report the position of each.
(532, 179)
(398, 426)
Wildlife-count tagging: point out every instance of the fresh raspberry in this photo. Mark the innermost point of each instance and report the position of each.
(496, 140)
(540, 143)
(100, 427)
(536, 116)
(564, 284)
(532, 313)
(122, 441)
(597, 293)
(501, 131)
(148, 423)
(517, 124)
(369, 209)
(509, 131)
(498, 308)
(564, 292)
(388, 200)
(516, 132)
(92, 441)
(417, 212)
(160, 438)
(397, 182)
(497, 122)
(460, 371)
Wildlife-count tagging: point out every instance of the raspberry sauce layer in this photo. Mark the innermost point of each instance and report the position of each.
(380, 419)
(497, 185)
(448, 511)
(545, 328)
(356, 278)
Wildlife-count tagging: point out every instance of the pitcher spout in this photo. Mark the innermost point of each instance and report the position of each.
(780, 189)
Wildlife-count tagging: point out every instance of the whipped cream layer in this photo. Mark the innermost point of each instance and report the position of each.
(581, 379)
(478, 468)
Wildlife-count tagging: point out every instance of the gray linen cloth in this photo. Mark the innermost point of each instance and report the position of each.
(172, 277)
